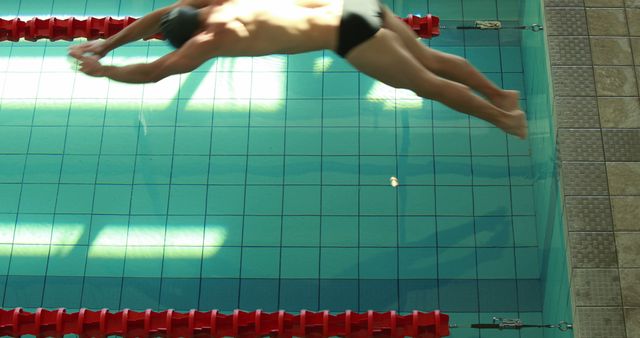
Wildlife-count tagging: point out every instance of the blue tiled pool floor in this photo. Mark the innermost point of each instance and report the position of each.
(262, 183)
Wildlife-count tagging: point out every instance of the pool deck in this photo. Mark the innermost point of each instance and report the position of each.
(594, 48)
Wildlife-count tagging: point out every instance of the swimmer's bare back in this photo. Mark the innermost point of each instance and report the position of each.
(259, 27)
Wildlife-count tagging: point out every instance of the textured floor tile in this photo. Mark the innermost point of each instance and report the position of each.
(609, 21)
(584, 179)
(604, 3)
(619, 112)
(629, 280)
(573, 81)
(633, 17)
(597, 322)
(611, 51)
(596, 287)
(628, 244)
(563, 3)
(624, 178)
(615, 81)
(577, 112)
(588, 213)
(621, 145)
(635, 48)
(580, 145)
(565, 21)
(569, 51)
(632, 3)
(632, 320)
(626, 212)
(592, 250)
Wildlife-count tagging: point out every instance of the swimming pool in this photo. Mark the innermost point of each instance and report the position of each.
(263, 183)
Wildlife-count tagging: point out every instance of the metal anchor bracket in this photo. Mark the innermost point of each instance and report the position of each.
(516, 324)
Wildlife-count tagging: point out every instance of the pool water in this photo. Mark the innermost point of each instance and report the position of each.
(264, 183)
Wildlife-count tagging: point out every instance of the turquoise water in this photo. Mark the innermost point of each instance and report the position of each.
(264, 182)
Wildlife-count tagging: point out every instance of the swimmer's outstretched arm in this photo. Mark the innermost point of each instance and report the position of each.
(141, 28)
(194, 53)
(144, 27)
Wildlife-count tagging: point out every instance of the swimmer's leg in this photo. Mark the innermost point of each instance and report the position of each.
(387, 59)
(449, 66)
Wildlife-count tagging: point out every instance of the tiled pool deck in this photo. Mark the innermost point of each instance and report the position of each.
(594, 47)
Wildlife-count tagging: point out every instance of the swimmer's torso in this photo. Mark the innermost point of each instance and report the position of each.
(257, 27)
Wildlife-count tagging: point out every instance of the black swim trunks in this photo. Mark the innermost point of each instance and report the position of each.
(361, 19)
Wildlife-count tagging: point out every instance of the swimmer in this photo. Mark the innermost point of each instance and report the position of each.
(364, 32)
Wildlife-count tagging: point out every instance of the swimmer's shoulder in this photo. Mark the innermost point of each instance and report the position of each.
(200, 3)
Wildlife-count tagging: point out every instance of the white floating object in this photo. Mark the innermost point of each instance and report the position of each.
(394, 181)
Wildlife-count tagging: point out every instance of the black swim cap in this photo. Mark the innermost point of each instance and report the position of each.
(179, 25)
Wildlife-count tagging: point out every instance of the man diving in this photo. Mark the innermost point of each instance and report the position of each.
(364, 32)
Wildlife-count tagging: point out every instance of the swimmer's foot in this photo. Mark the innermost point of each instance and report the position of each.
(507, 100)
(515, 123)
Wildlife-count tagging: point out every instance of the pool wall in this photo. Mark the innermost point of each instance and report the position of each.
(548, 204)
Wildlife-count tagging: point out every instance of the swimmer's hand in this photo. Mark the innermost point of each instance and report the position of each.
(91, 66)
(97, 47)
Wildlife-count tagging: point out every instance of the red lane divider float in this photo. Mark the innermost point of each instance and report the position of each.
(426, 27)
(100, 28)
(87, 323)
(63, 29)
